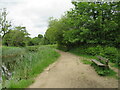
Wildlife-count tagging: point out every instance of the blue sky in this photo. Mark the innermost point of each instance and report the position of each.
(34, 14)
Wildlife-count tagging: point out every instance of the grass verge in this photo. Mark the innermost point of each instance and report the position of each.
(32, 63)
(86, 61)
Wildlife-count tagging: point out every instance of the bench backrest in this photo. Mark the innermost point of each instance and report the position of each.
(106, 61)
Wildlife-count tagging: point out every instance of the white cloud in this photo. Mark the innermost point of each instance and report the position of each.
(34, 14)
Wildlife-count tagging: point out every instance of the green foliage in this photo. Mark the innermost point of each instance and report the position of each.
(16, 37)
(35, 41)
(97, 50)
(19, 37)
(86, 23)
(40, 36)
(81, 51)
(45, 41)
(32, 48)
(110, 53)
(62, 47)
(52, 32)
(51, 46)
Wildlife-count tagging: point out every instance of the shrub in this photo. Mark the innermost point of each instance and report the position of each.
(111, 53)
(32, 48)
(118, 60)
(98, 50)
(63, 48)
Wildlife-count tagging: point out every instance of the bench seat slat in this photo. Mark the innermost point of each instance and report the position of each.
(97, 62)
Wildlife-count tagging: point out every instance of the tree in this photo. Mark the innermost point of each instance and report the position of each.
(35, 40)
(40, 36)
(4, 23)
(95, 23)
(16, 37)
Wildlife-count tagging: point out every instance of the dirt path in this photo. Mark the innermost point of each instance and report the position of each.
(69, 72)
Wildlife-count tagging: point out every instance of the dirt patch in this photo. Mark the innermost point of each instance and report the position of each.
(69, 72)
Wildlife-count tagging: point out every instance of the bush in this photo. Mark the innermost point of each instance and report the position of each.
(51, 46)
(32, 48)
(63, 48)
(98, 50)
(111, 53)
(118, 60)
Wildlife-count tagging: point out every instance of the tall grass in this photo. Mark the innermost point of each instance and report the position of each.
(11, 50)
(11, 55)
(33, 62)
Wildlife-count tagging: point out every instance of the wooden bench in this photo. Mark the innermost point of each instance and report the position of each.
(103, 62)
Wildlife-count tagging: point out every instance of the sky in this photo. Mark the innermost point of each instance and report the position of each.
(34, 14)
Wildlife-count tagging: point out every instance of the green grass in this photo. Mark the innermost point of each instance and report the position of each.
(116, 66)
(20, 84)
(0, 86)
(85, 61)
(33, 62)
